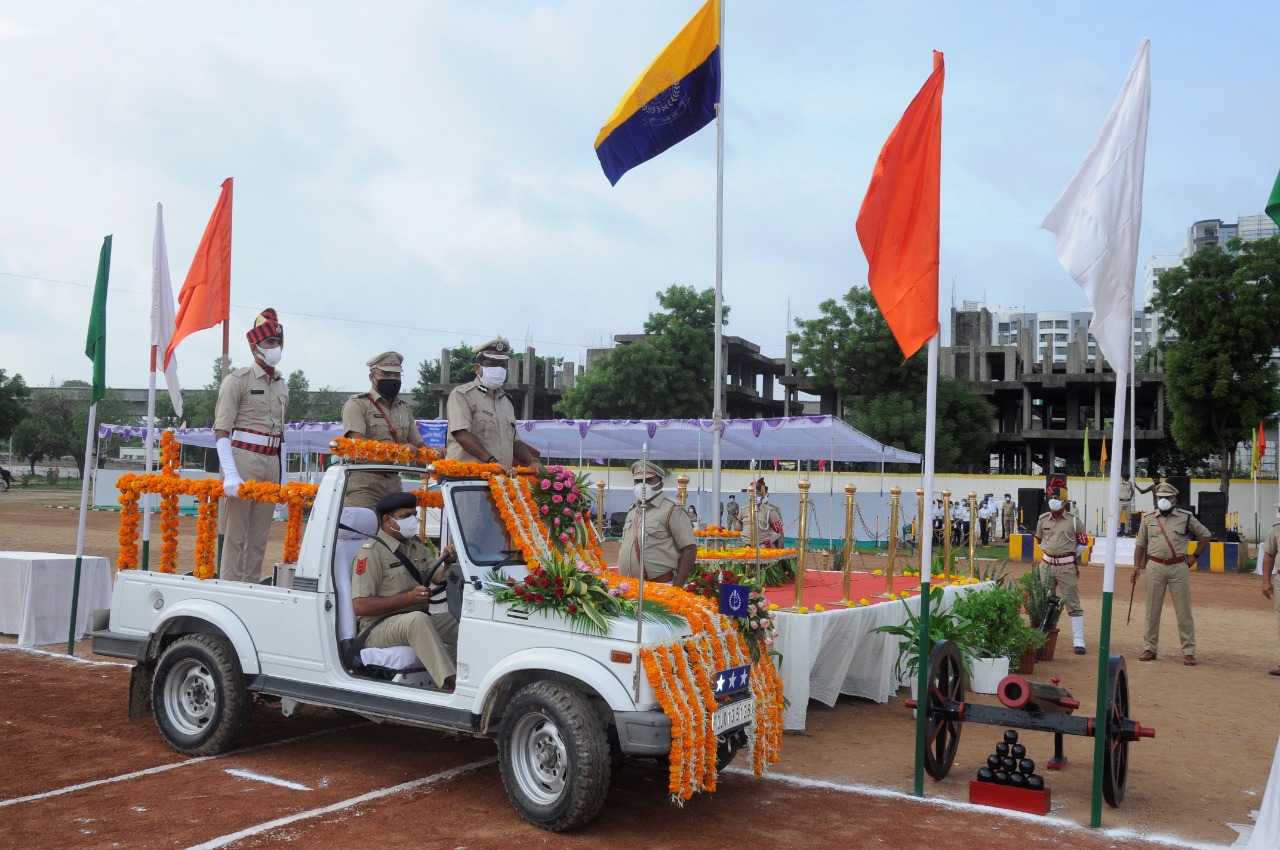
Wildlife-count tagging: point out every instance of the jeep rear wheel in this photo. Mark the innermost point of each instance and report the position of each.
(554, 756)
(198, 695)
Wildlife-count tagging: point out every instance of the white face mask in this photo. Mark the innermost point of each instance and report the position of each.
(1055, 505)
(1164, 505)
(408, 526)
(492, 377)
(644, 492)
(270, 356)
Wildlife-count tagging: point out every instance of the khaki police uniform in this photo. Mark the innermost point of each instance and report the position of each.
(488, 416)
(376, 571)
(1167, 568)
(766, 515)
(1008, 517)
(1126, 504)
(1271, 547)
(1058, 538)
(251, 408)
(735, 510)
(387, 421)
(668, 530)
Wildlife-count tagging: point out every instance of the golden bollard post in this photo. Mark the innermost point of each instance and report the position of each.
(600, 510)
(682, 489)
(920, 528)
(754, 540)
(849, 542)
(804, 533)
(946, 535)
(973, 523)
(895, 504)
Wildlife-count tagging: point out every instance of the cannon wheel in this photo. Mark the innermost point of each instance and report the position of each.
(1115, 753)
(946, 682)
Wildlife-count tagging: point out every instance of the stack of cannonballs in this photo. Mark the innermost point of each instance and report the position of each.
(1009, 765)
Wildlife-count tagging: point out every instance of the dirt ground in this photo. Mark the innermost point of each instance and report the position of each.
(63, 723)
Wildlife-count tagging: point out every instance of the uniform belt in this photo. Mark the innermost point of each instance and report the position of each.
(257, 442)
(665, 578)
(1181, 560)
(1059, 560)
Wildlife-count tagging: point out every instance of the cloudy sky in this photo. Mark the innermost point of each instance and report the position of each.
(412, 175)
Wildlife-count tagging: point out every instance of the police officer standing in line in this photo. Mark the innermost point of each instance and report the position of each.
(1162, 542)
(383, 583)
(670, 547)
(1062, 537)
(768, 519)
(1126, 502)
(248, 425)
(1008, 516)
(381, 415)
(1269, 549)
(734, 511)
(482, 421)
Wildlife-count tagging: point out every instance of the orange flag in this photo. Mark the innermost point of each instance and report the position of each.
(898, 222)
(205, 299)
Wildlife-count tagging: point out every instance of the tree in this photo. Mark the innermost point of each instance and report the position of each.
(299, 397)
(1224, 307)
(964, 435)
(56, 425)
(667, 374)
(849, 350)
(461, 360)
(13, 407)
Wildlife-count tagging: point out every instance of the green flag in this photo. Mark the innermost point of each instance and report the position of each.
(1273, 203)
(95, 347)
(1086, 448)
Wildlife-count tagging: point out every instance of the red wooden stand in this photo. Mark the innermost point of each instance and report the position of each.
(1008, 797)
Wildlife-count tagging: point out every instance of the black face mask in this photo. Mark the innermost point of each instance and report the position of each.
(388, 387)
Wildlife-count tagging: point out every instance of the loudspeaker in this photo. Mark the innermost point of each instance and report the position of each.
(1030, 506)
(1183, 483)
(1212, 511)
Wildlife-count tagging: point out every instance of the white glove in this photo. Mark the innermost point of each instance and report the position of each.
(231, 479)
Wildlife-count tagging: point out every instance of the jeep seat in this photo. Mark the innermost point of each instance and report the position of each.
(395, 659)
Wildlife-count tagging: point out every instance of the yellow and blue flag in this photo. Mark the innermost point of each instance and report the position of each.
(674, 98)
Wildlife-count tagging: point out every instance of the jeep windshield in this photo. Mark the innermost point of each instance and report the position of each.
(484, 535)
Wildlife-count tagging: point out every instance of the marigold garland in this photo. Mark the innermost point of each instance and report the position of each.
(430, 499)
(717, 531)
(376, 451)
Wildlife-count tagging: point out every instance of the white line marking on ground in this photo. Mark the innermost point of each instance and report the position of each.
(870, 791)
(224, 840)
(164, 767)
(13, 647)
(270, 780)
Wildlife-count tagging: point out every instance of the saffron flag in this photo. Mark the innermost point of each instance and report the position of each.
(1102, 463)
(1086, 448)
(674, 98)
(1099, 216)
(1259, 449)
(205, 299)
(162, 311)
(898, 222)
(95, 346)
(1273, 203)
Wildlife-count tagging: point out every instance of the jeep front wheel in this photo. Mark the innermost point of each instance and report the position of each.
(554, 756)
(198, 695)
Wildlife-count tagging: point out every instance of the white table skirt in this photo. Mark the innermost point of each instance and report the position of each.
(35, 594)
(835, 652)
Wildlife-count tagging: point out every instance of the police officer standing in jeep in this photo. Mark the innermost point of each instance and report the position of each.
(379, 414)
(1162, 543)
(482, 421)
(669, 544)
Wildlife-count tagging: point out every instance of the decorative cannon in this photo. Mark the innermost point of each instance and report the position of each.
(1035, 706)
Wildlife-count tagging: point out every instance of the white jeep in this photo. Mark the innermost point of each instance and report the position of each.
(564, 707)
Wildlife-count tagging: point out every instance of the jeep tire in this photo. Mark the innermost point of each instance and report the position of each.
(554, 756)
(198, 695)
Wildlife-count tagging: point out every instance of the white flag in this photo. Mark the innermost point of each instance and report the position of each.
(162, 310)
(1099, 216)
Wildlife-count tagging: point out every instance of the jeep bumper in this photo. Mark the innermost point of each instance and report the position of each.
(643, 733)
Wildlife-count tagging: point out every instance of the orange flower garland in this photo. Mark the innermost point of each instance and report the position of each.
(746, 553)
(432, 499)
(375, 451)
(206, 538)
(130, 518)
(717, 531)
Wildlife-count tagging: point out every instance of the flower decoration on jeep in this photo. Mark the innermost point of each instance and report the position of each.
(758, 629)
(374, 451)
(557, 496)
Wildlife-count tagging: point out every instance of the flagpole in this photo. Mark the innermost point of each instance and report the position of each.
(717, 411)
(926, 563)
(1101, 733)
(150, 460)
(89, 464)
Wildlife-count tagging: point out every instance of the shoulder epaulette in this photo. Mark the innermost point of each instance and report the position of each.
(368, 544)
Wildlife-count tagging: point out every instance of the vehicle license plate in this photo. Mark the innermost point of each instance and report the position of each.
(734, 715)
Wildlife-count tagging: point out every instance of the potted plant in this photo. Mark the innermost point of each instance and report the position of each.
(943, 625)
(1027, 647)
(995, 614)
(1042, 609)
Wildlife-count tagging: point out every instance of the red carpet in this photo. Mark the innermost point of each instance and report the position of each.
(826, 588)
